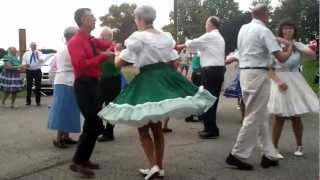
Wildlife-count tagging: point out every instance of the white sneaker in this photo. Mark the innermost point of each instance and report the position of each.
(145, 172)
(154, 171)
(279, 156)
(298, 152)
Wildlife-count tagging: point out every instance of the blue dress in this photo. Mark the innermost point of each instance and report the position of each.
(234, 90)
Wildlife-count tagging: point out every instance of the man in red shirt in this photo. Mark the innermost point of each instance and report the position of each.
(87, 55)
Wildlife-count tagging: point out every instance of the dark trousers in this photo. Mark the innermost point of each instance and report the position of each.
(109, 89)
(212, 79)
(196, 77)
(33, 75)
(86, 91)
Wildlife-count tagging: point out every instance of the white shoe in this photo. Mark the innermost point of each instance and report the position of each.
(298, 152)
(144, 172)
(154, 171)
(279, 156)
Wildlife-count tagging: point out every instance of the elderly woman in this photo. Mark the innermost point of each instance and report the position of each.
(64, 115)
(298, 98)
(10, 81)
(157, 93)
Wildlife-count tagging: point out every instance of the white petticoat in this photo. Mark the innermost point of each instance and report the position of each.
(298, 99)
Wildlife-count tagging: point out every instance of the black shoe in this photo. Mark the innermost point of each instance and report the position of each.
(208, 135)
(38, 104)
(266, 162)
(233, 161)
(28, 104)
(190, 119)
(70, 141)
(105, 138)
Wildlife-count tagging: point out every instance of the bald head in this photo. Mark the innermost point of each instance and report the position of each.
(33, 46)
(260, 11)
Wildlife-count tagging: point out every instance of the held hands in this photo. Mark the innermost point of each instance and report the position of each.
(108, 52)
(283, 86)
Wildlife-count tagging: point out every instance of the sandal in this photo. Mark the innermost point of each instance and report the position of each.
(59, 144)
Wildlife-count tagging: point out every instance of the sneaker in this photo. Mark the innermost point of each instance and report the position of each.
(145, 172)
(233, 161)
(279, 155)
(299, 151)
(82, 171)
(154, 172)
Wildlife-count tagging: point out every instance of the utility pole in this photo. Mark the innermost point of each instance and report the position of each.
(175, 13)
(22, 42)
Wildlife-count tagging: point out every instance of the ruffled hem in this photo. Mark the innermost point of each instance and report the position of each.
(142, 114)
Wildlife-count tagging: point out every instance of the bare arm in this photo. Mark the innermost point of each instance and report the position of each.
(282, 56)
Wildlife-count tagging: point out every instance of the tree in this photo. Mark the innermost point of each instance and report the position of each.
(304, 13)
(120, 18)
(224, 9)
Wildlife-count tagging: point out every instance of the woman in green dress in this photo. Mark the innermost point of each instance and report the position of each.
(158, 92)
(10, 80)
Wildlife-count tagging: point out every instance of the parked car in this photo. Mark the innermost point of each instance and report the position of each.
(47, 79)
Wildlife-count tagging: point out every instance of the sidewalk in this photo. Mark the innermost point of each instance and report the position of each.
(27, 152)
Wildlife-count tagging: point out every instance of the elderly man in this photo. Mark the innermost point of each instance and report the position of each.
(86, 61)
(33, 60)
(256, 44)
(110, 85)
(212, 54)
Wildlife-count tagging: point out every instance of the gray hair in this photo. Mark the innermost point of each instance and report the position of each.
(106, 30)
(146, 14)
(69, 32)
(11, 49)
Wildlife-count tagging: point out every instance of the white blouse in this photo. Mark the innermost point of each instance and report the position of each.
(64, 70)
(144, 48)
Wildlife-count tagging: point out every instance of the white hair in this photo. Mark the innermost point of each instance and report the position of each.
(146, 14)
(69, 32)
(107, 31)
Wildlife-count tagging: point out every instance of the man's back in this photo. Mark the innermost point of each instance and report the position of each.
(256, 43)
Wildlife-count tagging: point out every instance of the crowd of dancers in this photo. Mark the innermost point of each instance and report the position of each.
(88, 80)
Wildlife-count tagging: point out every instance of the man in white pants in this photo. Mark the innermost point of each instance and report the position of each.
(256, 44)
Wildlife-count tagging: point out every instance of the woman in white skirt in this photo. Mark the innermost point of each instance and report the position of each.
(298, 98)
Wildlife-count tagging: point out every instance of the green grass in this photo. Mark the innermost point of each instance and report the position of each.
(310, 68)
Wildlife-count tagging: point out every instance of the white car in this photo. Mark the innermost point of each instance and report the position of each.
(47, 78)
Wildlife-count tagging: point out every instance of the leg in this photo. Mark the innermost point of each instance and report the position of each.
(147, 144)
(13, 98)
(242, 109)
(212, 80)
(166, 129)
(158, 143)
(29, 75)
(109, 89)
(38, 75)
(277, 129)
(5, 97)
(86, 91)
(297, 129)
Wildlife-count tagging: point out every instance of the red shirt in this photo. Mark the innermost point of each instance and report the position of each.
(85, 63)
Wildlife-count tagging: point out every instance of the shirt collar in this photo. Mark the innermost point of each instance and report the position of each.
(257, 21)
(85, 35)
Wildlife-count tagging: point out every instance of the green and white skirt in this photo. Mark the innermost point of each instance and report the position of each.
(157, 93)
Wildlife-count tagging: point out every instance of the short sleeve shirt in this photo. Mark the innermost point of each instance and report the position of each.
(256, 43)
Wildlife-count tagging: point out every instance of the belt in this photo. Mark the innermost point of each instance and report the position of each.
(261, 68)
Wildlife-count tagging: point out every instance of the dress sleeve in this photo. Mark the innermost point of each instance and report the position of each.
(301, 46)
(133, 48)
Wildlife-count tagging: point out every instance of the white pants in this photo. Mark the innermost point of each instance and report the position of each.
(255, 86)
